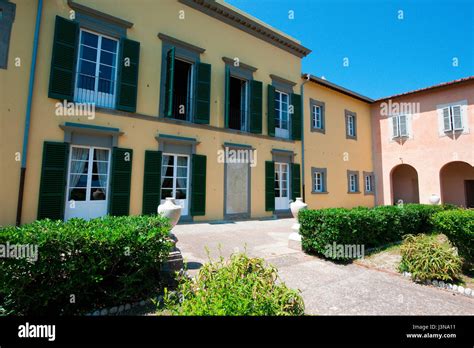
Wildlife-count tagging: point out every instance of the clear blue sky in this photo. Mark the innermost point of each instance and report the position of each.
(386, 55)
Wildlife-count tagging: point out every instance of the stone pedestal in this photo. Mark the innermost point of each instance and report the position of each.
(294, 241)
(175, 262)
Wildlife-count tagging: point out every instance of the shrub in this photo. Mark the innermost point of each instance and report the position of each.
(101, 262)
(427, 258)
(241, 286)
(371, 227)
(458, 226)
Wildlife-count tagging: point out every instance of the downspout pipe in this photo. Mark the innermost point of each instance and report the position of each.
(26, 131)
(307, 78)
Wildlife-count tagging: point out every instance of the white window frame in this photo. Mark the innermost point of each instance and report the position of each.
(282, 132)
(89, 172)
(279, 169)
(451, 118)
(351, 125)
(317, 117)
(395, 122)
(353, 183)
(463, 105)
(175, 175)
(319, 176)
(368, 183)
(97, 69)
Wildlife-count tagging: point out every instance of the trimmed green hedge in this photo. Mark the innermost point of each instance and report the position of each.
(240, 286)
(458, 226)
(371, 227)
(83, 265)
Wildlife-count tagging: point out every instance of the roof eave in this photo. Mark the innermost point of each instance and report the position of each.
(338, 88)
(242, 22)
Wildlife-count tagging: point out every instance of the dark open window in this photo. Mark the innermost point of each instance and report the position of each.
(182, 96)
(238, 104)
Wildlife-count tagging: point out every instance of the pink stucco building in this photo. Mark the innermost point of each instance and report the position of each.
(424, 145)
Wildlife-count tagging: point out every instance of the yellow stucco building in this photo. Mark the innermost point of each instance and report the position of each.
(109, 108)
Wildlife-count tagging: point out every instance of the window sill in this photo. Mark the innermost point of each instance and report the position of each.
(369, 193)
(318, 130)
(282, 138)
(319, 193)
(447, 132)
(353, 192)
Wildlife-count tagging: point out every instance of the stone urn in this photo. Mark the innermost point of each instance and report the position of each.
(170, 211)
(296, 206)
(175, 262)
(434, 199)
(294, 241)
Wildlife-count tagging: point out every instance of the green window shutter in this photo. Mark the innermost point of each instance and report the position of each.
(127, 83)
(296, 117)
(256, 107)
(227, 97)
(169, 84)
(271, 110)
(121, 175)
(53, 181)
(152, 182)
(295, 181)
(203, 93)
(63, 61)
(269, 186)
(198, 185)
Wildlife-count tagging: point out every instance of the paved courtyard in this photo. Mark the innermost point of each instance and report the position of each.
(327, 288)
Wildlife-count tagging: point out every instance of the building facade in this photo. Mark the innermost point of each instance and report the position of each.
(337, 146)
(133, 104)
(425, 145)
(111, 107)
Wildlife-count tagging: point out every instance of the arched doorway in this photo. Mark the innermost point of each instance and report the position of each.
(404, 180)
(457, 184)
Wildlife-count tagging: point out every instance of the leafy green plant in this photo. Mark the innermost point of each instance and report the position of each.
(371, 227)
(427, 258)
(458, 226)
(241, 286)
(83, 265)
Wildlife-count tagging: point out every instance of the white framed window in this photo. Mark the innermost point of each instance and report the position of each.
(369, 183)
(281, 180)
(174, 176)
(400, 126)
(453, 117)
(281, 114)
(96, 75)
(319, 182)
(88, 174)
(351, 125)
(317, 117)
(353, 182)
